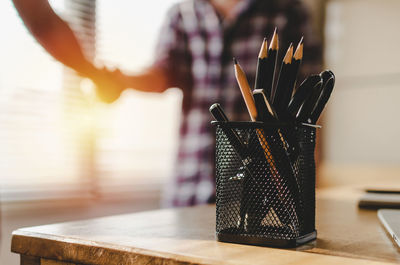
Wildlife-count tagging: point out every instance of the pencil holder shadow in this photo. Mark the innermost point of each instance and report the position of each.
(265, 178)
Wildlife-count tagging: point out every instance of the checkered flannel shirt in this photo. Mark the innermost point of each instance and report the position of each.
(195, 49)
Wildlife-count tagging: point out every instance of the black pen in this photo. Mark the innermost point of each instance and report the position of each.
(233, 137)
(301, 94)
(242, 152)
(327, 88)
(308, 106)
(327, 74)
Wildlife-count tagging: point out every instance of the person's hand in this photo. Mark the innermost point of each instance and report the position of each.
(109, 84)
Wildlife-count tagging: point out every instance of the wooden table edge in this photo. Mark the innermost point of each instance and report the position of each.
(23, 241)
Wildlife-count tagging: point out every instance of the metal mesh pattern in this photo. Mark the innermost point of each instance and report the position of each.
(266, 189)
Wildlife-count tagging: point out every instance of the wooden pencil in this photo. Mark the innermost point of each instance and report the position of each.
(271, 65)
(282, 87)
(265, 110)
(246, 90)
(297, 58)
(285, 195)
(261, 66)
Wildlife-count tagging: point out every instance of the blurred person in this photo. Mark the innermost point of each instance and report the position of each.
(194, 53)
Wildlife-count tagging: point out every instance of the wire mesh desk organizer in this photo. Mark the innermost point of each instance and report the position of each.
(265, 168)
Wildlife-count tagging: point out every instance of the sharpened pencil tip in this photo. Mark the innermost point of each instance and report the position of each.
(264, 50)
(298, 54)
(234, 60)
(288, 55)
(274, 41)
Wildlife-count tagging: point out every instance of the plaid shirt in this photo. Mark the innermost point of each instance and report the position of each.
(195, 49)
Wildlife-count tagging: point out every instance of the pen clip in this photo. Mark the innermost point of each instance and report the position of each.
(311, 125)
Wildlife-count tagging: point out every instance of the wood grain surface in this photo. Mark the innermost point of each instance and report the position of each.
(346, 235)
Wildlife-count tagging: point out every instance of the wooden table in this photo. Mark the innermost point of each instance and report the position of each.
(346, 235)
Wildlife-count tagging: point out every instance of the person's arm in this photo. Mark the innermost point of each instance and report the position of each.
(58, 39)
(54, 34)
(153, 79)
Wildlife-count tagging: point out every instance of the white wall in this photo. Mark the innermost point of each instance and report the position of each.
(362, 48)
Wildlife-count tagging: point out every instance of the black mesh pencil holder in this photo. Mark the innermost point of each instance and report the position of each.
(265, 178)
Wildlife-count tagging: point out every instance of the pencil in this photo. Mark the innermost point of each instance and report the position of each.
(261, 66)
(297, 58)
(250, 183)
(284, 194)
(293, 145)
(265, 110)
(246, 90)
(301, 93)
(271, 65)
(282, 87)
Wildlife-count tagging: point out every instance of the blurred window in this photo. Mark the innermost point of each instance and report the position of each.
(138, 133)
(57, 142)
(37, 148)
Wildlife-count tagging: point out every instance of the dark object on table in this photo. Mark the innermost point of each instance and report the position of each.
(378, 200)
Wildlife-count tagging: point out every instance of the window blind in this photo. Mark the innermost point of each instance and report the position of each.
(55, 141)
(43, 150)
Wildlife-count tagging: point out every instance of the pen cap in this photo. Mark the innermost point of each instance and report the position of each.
(327, 74)
(309, 104)
(327, 89)
(302, 93)
(217, 112)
